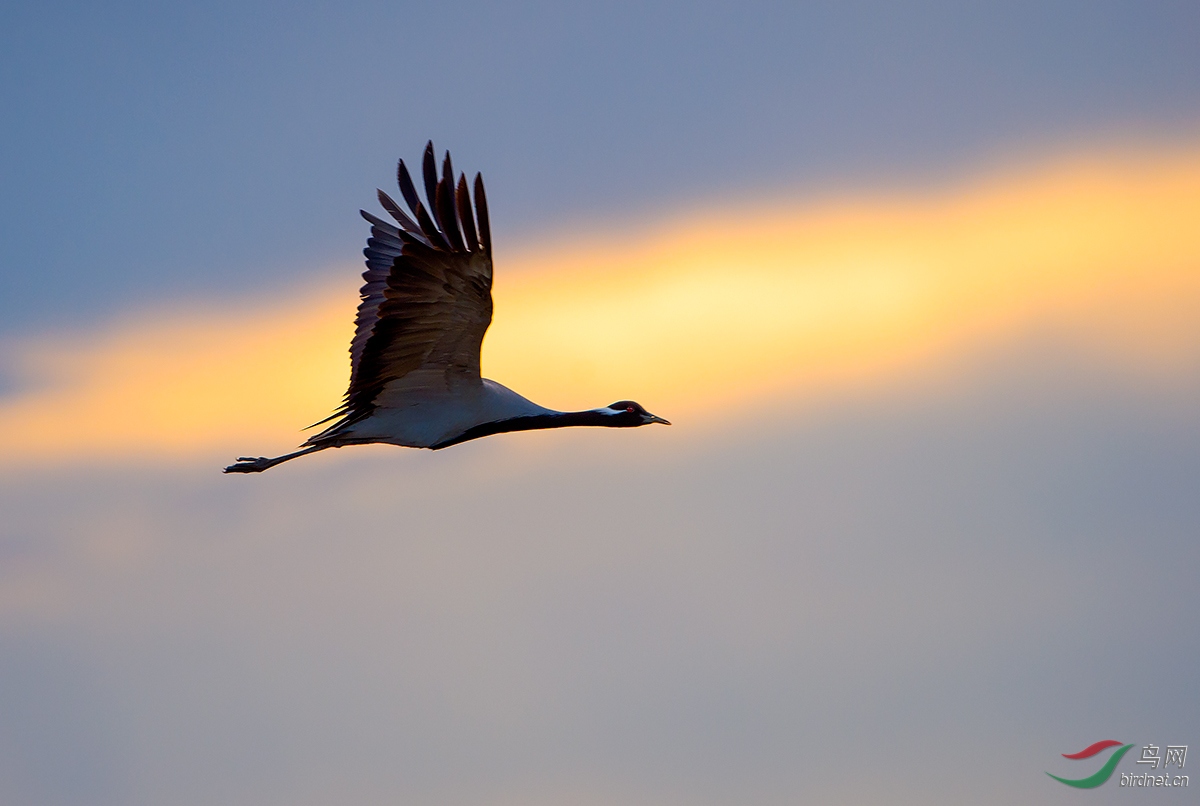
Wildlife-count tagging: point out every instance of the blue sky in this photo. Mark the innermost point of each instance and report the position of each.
(908, 545)
(153, 151)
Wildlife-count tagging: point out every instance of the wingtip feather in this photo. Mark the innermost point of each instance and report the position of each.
(394, 210)
(462, 197)
(485, 229)
(429, 173)
(407, 188)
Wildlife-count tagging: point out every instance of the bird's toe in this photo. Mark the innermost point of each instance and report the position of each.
(249, 464)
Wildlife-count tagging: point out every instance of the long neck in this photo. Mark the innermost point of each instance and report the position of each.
(531, 422)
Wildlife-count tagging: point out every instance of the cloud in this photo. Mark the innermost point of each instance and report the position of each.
(935, 598)
(695, 316)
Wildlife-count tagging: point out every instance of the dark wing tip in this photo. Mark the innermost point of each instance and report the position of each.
(485, 229)
(430, 229)
(395, 212)
(462, 197)
(429, 171)
(407, 189)
(445, 220)
(447, 213)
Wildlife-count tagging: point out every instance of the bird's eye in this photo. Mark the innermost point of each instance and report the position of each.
(629, 409)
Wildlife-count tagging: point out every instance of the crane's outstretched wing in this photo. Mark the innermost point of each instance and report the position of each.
(427, 291)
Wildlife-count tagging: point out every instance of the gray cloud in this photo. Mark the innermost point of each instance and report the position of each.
(906, 597)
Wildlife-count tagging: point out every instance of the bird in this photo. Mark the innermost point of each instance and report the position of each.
(426, 302)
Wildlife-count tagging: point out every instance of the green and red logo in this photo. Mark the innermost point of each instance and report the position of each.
(1101, 775)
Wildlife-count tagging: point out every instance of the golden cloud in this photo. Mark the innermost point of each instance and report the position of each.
(704, 312)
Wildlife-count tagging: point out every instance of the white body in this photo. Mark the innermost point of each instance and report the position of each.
(429, 406)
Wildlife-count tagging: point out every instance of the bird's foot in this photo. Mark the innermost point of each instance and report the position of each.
(249, 464)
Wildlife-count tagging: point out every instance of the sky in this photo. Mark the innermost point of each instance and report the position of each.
(918, 287)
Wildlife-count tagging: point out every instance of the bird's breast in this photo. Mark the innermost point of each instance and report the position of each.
(420, 415)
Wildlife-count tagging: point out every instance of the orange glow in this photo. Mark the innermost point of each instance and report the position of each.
(779, 301)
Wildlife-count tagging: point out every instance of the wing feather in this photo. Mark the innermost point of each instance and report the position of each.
(429, 170)
(465, 216)
(485, 229)
(395, 212)
(426, 300)
(406, 187)
(448, 215)
(430, 229)
(390, 229)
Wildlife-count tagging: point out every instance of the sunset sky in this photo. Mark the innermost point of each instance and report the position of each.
(919, 290)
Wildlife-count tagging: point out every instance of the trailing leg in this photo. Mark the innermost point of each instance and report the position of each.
(257, 464)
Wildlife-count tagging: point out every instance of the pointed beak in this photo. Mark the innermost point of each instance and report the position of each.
(653, 418)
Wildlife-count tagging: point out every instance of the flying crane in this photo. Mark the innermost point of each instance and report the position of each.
(426, 303)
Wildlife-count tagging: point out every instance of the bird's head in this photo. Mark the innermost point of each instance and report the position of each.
(631, 413)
